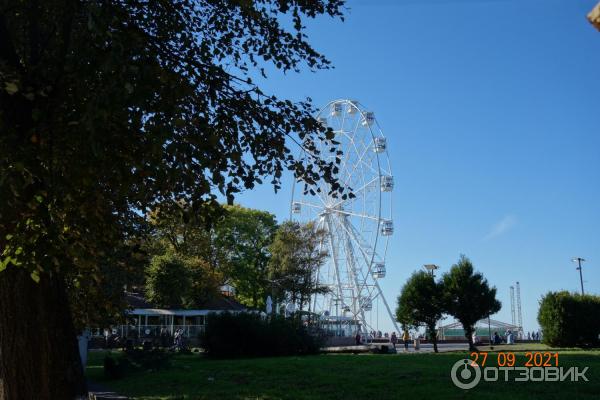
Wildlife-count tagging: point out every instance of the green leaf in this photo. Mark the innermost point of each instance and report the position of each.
(35, 275)
(11, 87)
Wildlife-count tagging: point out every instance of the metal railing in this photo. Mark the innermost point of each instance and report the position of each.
(149, 331)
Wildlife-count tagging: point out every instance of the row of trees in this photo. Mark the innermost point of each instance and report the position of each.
(461, 292)
(244, 248)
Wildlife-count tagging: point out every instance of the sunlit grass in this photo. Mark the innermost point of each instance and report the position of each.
(343, 376)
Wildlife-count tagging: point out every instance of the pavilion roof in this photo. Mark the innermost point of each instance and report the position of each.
(141, 306)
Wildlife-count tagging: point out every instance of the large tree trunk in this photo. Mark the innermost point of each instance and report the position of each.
(39, 355)
(469, 336)
(433, 336)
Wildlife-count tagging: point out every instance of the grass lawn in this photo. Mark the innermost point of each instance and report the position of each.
(347, 376)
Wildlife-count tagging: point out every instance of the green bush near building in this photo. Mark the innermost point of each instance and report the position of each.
(230, 335)
(569, 319)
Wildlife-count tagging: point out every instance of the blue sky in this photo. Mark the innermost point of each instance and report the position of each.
(491, 110)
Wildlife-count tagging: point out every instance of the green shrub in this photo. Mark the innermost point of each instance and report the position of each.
(250, 335)
(149, 360)
(570, 319)
(118, 366)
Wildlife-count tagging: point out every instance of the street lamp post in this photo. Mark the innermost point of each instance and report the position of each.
(431, 269)
(490, 333)
(579, 260)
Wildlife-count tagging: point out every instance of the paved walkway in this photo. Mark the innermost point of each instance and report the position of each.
(428, 348)
(425, 348)
(98, 392)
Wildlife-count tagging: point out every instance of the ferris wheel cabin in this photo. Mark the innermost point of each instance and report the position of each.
(379, 145)
(387, 183)
(387, 228)
(378, 271)
(369, 119)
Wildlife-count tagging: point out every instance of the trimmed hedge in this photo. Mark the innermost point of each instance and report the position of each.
(250, 335)
(569, 319)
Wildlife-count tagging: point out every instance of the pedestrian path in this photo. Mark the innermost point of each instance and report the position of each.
(97, 392)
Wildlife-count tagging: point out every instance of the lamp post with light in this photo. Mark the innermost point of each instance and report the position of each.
(431, 269)
(579, 260)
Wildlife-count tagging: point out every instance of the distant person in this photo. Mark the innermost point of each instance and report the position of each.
(357, 338)
(475, 338)
(406, 339)
(176, 338)
(163, 337)
(386, 335)
(497, 338)
(394, 339)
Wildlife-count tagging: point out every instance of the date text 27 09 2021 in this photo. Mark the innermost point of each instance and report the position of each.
(510, 359)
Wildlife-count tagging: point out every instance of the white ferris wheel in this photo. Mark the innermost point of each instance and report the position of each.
(357, 229)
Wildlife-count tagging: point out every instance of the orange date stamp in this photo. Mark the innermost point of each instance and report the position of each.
(510, 359)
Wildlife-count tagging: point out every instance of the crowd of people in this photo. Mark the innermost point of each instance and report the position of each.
(392, 337)
(161, 338)
(509, 337)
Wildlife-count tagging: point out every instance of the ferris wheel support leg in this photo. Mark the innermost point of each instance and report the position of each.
(385, 303)
(335, 259)
(319, 226)
(352, 270)
(387, 307)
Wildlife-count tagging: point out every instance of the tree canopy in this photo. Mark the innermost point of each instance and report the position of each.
(247, 235)
(174, 281)
(296, 256)
(468, 296)
(111, 108)
(421, 302)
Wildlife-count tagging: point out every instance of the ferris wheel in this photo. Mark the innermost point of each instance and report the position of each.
(357, 229)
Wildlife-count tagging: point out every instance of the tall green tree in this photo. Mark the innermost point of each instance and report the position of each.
(168, 281)
(188, 230)
(108, 108)
(421, 302)
(297, 253)
(245, 235)
(235, 245)
(175, 281)
(468, 296)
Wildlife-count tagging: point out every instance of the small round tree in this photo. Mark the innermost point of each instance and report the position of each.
(421, 303)
(468, 297)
